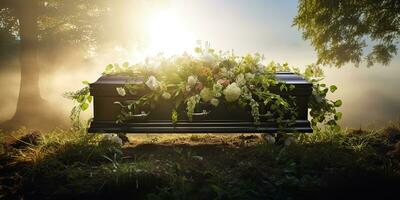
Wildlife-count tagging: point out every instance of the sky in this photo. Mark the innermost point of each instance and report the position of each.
(371, 96)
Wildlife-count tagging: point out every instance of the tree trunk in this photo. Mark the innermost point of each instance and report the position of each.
(29, 93)
(32, 111)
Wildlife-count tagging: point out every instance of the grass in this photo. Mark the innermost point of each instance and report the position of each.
(64, 164)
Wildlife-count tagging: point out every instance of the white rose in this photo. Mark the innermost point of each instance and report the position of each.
(121, 91)
(152, 83)
(206, 94)
(232, 92)
(166, 95)
(240, 80)
(192, 80)
(214, 102)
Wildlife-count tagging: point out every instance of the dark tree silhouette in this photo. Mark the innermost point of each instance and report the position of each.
(343, 31)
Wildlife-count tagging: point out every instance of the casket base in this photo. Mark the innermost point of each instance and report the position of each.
(302, 126)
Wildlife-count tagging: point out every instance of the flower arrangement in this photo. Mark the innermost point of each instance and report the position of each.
(211, 78)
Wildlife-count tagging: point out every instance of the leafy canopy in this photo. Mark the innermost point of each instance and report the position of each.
(342, 30)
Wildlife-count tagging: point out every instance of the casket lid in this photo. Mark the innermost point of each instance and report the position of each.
(105, 85)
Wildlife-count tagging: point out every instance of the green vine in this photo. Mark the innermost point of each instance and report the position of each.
(82, 99)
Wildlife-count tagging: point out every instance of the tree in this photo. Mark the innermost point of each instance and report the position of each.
(32, 22)
(342, 30)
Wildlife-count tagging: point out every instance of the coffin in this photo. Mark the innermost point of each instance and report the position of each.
(225, 118)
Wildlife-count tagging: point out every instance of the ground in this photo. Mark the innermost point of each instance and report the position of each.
(327, 164)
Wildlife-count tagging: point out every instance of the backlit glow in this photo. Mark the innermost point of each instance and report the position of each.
(167, 34)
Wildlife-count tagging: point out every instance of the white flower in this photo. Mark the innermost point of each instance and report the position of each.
(152, 83)
(269, 138)
(121, 91)
(113, 138)
(166, 95)
(232, 92)
(289, 141)
(224, 71)
(208, 58)
(192, 80)
(217, 87)
(214, 102)
(249, 76)
(188, 88)
(240, 80)
(261, 68)
(206, 94)
(230, 74)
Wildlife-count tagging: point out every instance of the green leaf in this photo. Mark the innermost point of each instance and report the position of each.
(81, 98)
(197, 50)
(109, 67)
(338, 103)
(283, 87)
(84, 106)
(338, 115)
(333, 88)
(90, 99)
(85, 82)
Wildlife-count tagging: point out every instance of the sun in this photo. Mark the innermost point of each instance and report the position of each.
(167, 34)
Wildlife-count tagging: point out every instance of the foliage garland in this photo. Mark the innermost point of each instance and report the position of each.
(210, 78)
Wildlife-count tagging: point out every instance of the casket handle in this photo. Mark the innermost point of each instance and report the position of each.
(268, 114)
(204, 113)
(141, 115)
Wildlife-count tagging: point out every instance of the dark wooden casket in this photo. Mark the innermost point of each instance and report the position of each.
(221, 119)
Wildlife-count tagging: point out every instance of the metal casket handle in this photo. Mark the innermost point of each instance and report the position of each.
(204, 113)
(141, 115)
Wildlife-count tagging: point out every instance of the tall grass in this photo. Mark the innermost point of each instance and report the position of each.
(65, 164)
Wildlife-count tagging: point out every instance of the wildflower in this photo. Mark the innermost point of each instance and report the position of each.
(249, 76)
(206, 94)
(199, 86)
(188, 89)
(240, 80)
(192, 80)
(232, 92)
(217, 87)
(214, 102)
(152, 83)
(223, 82)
